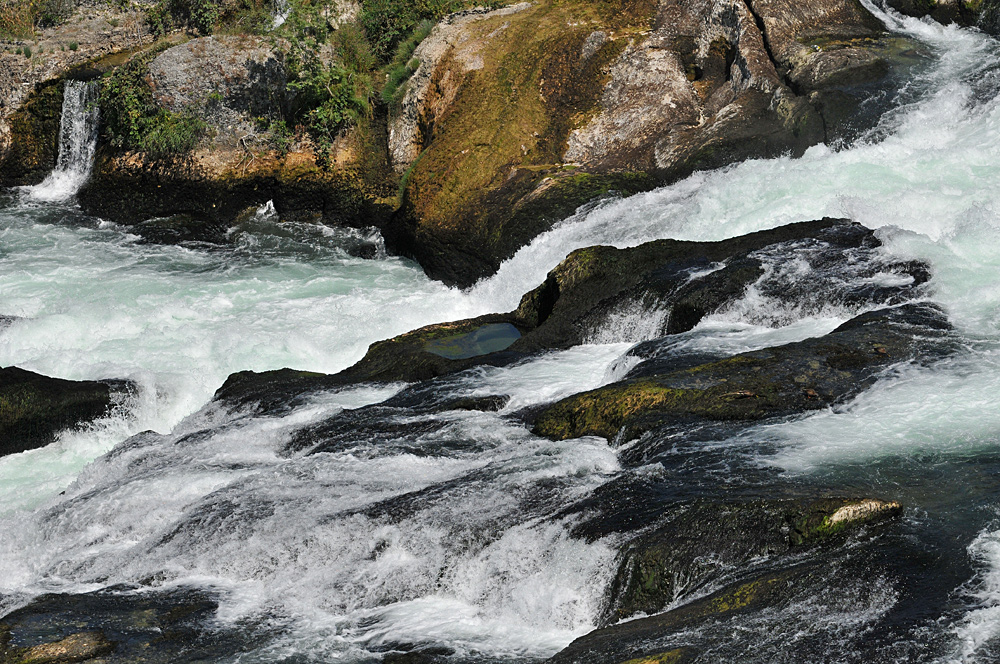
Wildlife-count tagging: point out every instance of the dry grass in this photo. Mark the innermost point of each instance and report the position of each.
(17, 18)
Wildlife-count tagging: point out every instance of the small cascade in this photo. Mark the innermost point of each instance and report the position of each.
(77, 143)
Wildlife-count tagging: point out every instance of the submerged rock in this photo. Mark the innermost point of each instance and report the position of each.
(79, 647)
(635, 642)
(34, 408)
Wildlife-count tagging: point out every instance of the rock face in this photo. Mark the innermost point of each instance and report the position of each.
(233, 78)
(236, 85)
(34, 408)
(449, 38)
(518, 119)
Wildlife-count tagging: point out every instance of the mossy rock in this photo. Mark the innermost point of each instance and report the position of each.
(636, 640)
(782, 380)
(34, 137)
(77, 647)
(491, 177)
(674, 656)
(34, 408)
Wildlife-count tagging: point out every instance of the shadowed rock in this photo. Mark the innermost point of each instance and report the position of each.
(34, 408)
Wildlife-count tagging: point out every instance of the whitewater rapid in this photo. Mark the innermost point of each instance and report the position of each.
(92, 301)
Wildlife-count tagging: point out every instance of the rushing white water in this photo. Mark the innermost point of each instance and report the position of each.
(77, 143)
(212, 498)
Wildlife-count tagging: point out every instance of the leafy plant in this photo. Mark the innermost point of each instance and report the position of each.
(389, 22)
(328, 98)
(134, 122)
(207, 16)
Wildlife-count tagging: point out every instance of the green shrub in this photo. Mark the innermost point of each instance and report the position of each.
(389, 22)
(329, 97)
(20, 18)
(73, 46)
(404, 65)
(133, 121)
(207, 16)
(279, 137)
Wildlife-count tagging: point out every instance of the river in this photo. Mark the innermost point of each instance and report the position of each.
(473, 560)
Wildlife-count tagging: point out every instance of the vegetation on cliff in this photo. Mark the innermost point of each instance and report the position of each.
(134, 122)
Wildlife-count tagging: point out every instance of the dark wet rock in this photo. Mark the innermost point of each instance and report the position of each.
(179, 229)
(405, 358)
(426, 655)
(441, 349)
(702, 541)
(119, 625)
(686, 280)
(635, 642)
(963, 12)
(34, 408)
(378, 425)
(694, 279)
(782, 380)
(7, 321)
(270, 391)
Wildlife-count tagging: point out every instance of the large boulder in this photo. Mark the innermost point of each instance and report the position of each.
(234, 79)
(515, 118)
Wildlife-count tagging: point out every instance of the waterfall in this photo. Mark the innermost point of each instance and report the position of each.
(77, 143)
